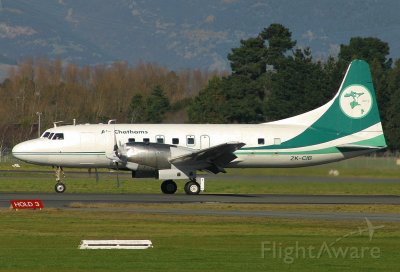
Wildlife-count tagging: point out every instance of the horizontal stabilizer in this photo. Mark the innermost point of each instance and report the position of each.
(355, 147)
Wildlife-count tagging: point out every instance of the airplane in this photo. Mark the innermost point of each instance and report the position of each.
(345, 127)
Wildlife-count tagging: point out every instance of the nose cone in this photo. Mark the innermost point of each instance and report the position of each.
(29, 151)
(20, 151)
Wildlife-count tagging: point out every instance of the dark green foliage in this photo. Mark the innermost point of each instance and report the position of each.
(239, 98)
(368, 49)
(137, 108)
(279, 42)
(207, 107)
(299, 85)
(244, 100)
(180, 104)
(151, 109)
(157, 105)
(392, 128)
(249, 59)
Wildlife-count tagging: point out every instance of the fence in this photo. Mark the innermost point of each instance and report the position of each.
(6, 156)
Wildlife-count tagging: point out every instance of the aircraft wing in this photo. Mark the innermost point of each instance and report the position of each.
(213, 159)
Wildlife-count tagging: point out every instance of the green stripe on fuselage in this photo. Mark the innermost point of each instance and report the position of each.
(329, 150)
(378, 141)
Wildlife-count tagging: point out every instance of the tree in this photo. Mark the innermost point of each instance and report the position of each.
(157, 105)
(137, 109)
(151, 109)
(241, 95)
(368, 49)
(392, 128)
(244, 100)
(208, 105)
(299, 85)
(249, 59)
(279, 40)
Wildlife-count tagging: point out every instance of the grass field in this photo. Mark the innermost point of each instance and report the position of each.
(39, 182)
(48, 240)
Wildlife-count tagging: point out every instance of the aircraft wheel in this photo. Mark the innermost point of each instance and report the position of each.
(60, 187)
(192, 188)
(168, 187)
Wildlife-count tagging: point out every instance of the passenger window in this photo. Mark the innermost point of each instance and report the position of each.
(160, 139)
(175, 141)
(58, 136)
(131, 140)
(261, 141)
(190, 140)
(146, 140)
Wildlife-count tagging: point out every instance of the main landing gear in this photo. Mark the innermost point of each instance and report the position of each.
(60, 186)
(192, 187)
(170, 187)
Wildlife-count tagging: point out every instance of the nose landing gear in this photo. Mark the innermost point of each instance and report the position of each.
(60, 186)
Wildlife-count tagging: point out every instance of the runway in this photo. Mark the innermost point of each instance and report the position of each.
(63, 201)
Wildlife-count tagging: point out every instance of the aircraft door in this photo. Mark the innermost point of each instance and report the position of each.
(204, 141)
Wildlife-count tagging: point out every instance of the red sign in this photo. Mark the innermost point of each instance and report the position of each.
(26, 204)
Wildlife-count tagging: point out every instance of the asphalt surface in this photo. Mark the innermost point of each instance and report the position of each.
(261, 178)
(63, 201)
(55, 200)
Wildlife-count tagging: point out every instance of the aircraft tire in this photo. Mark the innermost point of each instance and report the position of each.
(192, 188)
(169, 187)
(60, 187)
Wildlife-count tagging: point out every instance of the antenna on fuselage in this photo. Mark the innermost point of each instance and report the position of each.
(56, 123)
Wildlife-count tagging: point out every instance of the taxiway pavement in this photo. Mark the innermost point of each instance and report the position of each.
(64, 201)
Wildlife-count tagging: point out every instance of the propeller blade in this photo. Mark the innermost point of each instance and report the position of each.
(116, 148)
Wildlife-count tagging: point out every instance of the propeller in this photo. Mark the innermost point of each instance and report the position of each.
(118, 156)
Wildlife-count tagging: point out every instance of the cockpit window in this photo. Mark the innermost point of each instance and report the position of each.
(46, 134)
(50, 135)
(58, 136)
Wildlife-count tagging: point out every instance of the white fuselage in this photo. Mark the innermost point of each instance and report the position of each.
(87, 146)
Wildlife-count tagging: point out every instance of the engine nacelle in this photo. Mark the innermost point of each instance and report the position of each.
(152, 155)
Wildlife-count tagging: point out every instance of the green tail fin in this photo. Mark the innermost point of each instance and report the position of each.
(353, 110)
